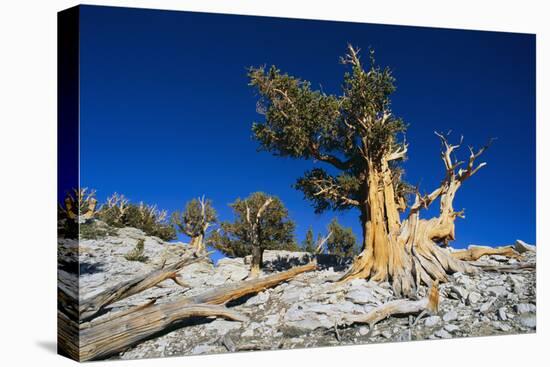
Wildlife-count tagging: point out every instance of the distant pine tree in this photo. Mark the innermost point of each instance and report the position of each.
(308, 245)
(119, 212)
(261, 223)
(195, 220)
(342, 241)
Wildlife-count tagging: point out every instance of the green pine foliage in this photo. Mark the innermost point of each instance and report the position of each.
(136, 254)
(276, 229)
(345, 131)
(198, 215)
(120, 212)
(308, 245)
(342, 241)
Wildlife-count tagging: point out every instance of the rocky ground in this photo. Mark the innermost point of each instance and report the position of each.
(304, 311)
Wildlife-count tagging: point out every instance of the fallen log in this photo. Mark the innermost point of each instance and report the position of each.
(67, 336)
(93, 305)
(117, 334)
(234, 291)
(67, 293)
(118, 331)
(475, 252)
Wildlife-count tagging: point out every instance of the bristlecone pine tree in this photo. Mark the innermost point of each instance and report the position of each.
(78, 207)
(118, 211)
(341, 242)
(261, 223)
(357, 134)
(195, 220)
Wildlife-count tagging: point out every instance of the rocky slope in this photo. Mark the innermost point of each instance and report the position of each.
(304, 311)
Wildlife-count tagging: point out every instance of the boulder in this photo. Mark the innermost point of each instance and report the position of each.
(222, 327)
(259, 299)
(528, 320)
(451, 328)
(497, 291)
(523, 247)
(525, 308)
(443, 334)
(450, 316)
(458, 293)
(484, 308)
(432, 321)
(362, 296)
(473, 298)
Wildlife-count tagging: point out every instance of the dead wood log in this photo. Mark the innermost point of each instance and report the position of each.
(429, 304)
(117, 334)
(475, 252)
(68, 336)
(234, 291)
(67, 293)
(104, 337)
(116, 314)
(93, 305)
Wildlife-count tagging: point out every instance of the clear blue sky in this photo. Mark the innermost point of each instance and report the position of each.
(166, 111)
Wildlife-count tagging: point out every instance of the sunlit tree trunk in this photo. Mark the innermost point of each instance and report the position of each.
(255, 238)
(257, 261)
(410, 253)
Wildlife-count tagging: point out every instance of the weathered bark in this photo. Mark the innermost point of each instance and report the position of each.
(68, 336)
(407, 253)
(257, 261)
(254, 237)
(115, 332)
(321, 242)
(234, 291)
(67, 293)
(95, 304)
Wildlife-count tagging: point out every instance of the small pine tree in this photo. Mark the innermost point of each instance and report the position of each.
(79, 207)
(119, 212)
(342, 241)
(136, 254)
(261, 223)
(308, 245)
(195, 220)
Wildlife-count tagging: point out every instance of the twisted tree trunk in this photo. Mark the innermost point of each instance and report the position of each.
(408, 253)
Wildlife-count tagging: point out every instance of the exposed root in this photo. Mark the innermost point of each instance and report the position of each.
(429, 304)
(407, 253)
(412, 259)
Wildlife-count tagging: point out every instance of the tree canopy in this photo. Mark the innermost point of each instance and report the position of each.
(347, 132)
(275, 229)
(362, 144)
